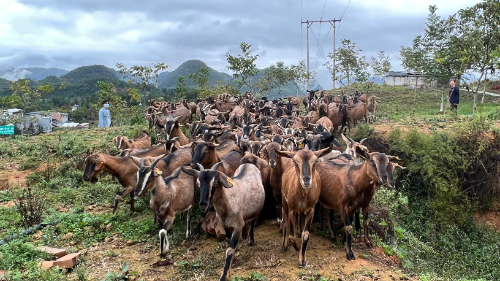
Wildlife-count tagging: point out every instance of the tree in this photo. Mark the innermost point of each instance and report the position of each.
(479, 26)
(380, 65)
(180, 88)
(201, 79)
(142, 76)
(300, 76)
(243, 65)
(350, 64)
(437, 53)
(24, 95)
(275, 77)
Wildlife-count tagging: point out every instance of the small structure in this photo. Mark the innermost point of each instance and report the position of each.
(75, 107)
(60, 118)
(37, 121)
(403, 78)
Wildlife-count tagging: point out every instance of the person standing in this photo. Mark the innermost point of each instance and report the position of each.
(454, 95)
(104, 115)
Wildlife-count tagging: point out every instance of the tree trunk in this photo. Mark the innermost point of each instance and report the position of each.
(475, 92)
(441, 108)
(484, 88)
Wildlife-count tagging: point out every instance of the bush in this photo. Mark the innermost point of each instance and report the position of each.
(31, 208)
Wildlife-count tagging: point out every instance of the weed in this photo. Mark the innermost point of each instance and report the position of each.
(31, 208)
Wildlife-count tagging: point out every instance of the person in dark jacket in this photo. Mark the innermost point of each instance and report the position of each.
(454, 95)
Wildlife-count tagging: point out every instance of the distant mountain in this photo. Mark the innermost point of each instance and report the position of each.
(169, 80)
(4, 86)
(90, 72)
(33, 73)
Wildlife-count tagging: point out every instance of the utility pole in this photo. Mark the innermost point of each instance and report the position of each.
(309, 23)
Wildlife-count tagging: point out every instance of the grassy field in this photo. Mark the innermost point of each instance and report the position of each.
(113, 246)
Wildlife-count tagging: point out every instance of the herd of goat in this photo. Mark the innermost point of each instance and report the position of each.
(245, 153)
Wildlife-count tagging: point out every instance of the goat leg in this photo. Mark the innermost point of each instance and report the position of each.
(286, 226)
(357, 221)
(252, 225)
(164, 243)
(348, 230)
(188, 227)
(230, 253)
(295, 218)
(333, 235)
(305, 237)
(368, 243)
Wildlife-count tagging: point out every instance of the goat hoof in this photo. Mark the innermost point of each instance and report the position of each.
(350, 256)
(284, 249)
(369, 244)
(252, 243)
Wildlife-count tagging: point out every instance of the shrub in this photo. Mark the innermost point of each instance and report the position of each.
(31, 208)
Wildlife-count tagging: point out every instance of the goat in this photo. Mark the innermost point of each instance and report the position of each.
(356, 112)
(141, 141)
(351, 186)
(207, 154)
(238, 201)
(169, 196)
(372, 108)
(173, 129)
(120, 167)
(325, 122)
(301, 188)
(157, 150)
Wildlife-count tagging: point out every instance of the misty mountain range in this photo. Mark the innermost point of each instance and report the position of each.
(90, 74)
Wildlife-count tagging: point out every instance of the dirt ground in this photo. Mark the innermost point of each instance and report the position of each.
(203, 259)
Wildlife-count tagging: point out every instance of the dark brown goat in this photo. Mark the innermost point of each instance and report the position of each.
(208, 154)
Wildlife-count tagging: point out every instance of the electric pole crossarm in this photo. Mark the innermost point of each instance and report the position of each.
(309, 24)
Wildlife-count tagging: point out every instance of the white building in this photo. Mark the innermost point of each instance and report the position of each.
(402, 78)
(33, 122)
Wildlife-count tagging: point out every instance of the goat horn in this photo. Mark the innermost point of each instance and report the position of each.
(214, 167)
(156, 161)
(352, 141)
(363, 140)
(138, 165)
(201, 167)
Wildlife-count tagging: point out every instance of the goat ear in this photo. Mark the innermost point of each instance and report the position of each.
(363, 152)
(323, 152)
(190, 171)
(263, 162)
(99, 166)
(225, 180)
(285, 153)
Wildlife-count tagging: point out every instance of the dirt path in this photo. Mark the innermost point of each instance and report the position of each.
(203, 259)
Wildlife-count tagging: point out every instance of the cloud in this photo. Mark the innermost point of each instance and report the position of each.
(68, 34)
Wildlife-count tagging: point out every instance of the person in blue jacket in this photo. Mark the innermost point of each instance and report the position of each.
(104, 115)
(454, 95)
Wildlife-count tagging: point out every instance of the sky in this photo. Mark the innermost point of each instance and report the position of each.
(70, 33)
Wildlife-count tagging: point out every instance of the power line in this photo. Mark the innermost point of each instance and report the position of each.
(345, 10)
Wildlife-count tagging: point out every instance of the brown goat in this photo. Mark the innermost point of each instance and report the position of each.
(356, 112)
(237, 200)
(277, 165)
(208, 154)
(173, 129)
(120, 167)
(301, 188)
(372, 108)
(141, 141)
(325, 122)
(350, 187)
(169, 196)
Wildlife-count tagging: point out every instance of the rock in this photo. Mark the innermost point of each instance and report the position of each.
(68, 235)
(109, 226)
(72, 243)
(102, 227)
(130, 242)
(68, 261)
(2, 274)
(107, 239)
(53, 251)
(37, 235)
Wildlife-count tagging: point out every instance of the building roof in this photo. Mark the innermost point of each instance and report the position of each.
(402, 74)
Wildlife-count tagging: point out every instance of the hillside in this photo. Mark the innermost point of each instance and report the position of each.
(90, 72)
(4, 86)
(169, 79)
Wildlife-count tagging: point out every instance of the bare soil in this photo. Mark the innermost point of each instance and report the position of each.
(203, 259)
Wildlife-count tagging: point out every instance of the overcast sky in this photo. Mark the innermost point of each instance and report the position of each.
(71, 33)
